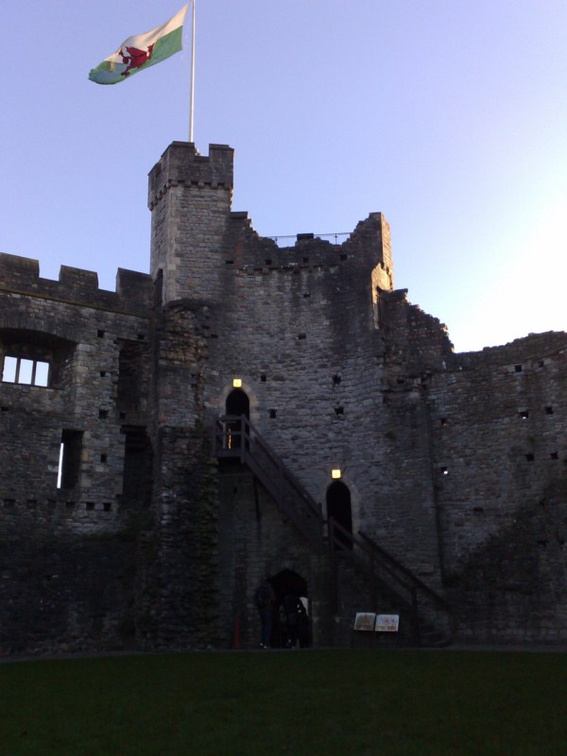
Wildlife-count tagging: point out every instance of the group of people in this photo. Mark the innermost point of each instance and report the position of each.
(284, 620)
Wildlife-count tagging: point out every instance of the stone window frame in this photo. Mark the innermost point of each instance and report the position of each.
(37, 346)
(37, 377)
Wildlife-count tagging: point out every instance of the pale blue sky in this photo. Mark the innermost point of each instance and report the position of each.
(449, 116)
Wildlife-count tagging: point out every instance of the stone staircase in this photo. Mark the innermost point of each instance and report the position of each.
(235, 438)
(391, 584)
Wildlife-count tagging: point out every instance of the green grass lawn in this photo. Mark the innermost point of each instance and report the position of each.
(294, 702)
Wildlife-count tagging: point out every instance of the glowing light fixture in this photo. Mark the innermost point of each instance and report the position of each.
(335, 474)
(237, 382)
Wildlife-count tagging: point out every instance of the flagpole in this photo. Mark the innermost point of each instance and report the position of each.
(192, 94)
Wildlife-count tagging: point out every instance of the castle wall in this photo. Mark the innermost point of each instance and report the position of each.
(499, 435)
(59, 539)
(454, 463)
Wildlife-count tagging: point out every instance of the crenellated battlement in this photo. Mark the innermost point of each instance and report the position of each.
(182, 164)
(20, 275)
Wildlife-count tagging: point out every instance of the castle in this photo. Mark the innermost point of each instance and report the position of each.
(248, 411)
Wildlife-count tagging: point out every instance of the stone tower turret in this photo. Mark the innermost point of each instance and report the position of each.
(190, 199)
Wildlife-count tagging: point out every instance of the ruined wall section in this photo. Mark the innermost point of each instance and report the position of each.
(499, 436)
(55, 322)
(416, 343)
(68, 553)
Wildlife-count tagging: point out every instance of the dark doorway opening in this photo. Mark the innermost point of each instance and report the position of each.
(237, 404)
(137, 471)
(339, 509)
(291, 622)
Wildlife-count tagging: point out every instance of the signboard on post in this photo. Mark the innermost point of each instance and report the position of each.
(387, 623)
(379, 623)
(365, 621)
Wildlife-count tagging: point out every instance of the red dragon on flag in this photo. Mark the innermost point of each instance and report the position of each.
(135, 58)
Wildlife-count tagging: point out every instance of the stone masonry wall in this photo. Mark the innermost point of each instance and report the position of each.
(69, 549)
(455, 464)
(499, 438)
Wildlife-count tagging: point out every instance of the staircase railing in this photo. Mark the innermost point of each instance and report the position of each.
(385, 571)
(235, 437)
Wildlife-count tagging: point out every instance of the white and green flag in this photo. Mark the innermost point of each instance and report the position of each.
(141, 51)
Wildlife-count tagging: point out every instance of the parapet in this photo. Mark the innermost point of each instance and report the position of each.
(21, 275)
(367, 248)
(181, 163)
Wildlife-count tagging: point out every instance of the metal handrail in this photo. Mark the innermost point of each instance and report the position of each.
(334, 526)
(235, 437)
(337, 238)
(379, 561)
(387, 558)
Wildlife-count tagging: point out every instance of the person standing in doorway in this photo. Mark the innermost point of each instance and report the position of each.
(265, 599)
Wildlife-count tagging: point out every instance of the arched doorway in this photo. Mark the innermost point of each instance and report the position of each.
(237, 404)
(339, 509)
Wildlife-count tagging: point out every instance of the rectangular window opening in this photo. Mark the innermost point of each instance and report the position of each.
(69, 459)
(27, 372)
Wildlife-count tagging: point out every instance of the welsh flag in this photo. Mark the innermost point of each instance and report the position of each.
(141, 51)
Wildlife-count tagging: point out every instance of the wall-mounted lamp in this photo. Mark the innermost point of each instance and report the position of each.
(336, 474)
(237, 383)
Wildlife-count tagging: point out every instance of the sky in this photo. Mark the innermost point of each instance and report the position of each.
(448, 116)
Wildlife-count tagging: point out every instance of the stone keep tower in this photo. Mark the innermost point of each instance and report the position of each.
(302, 329)
(190, 199)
